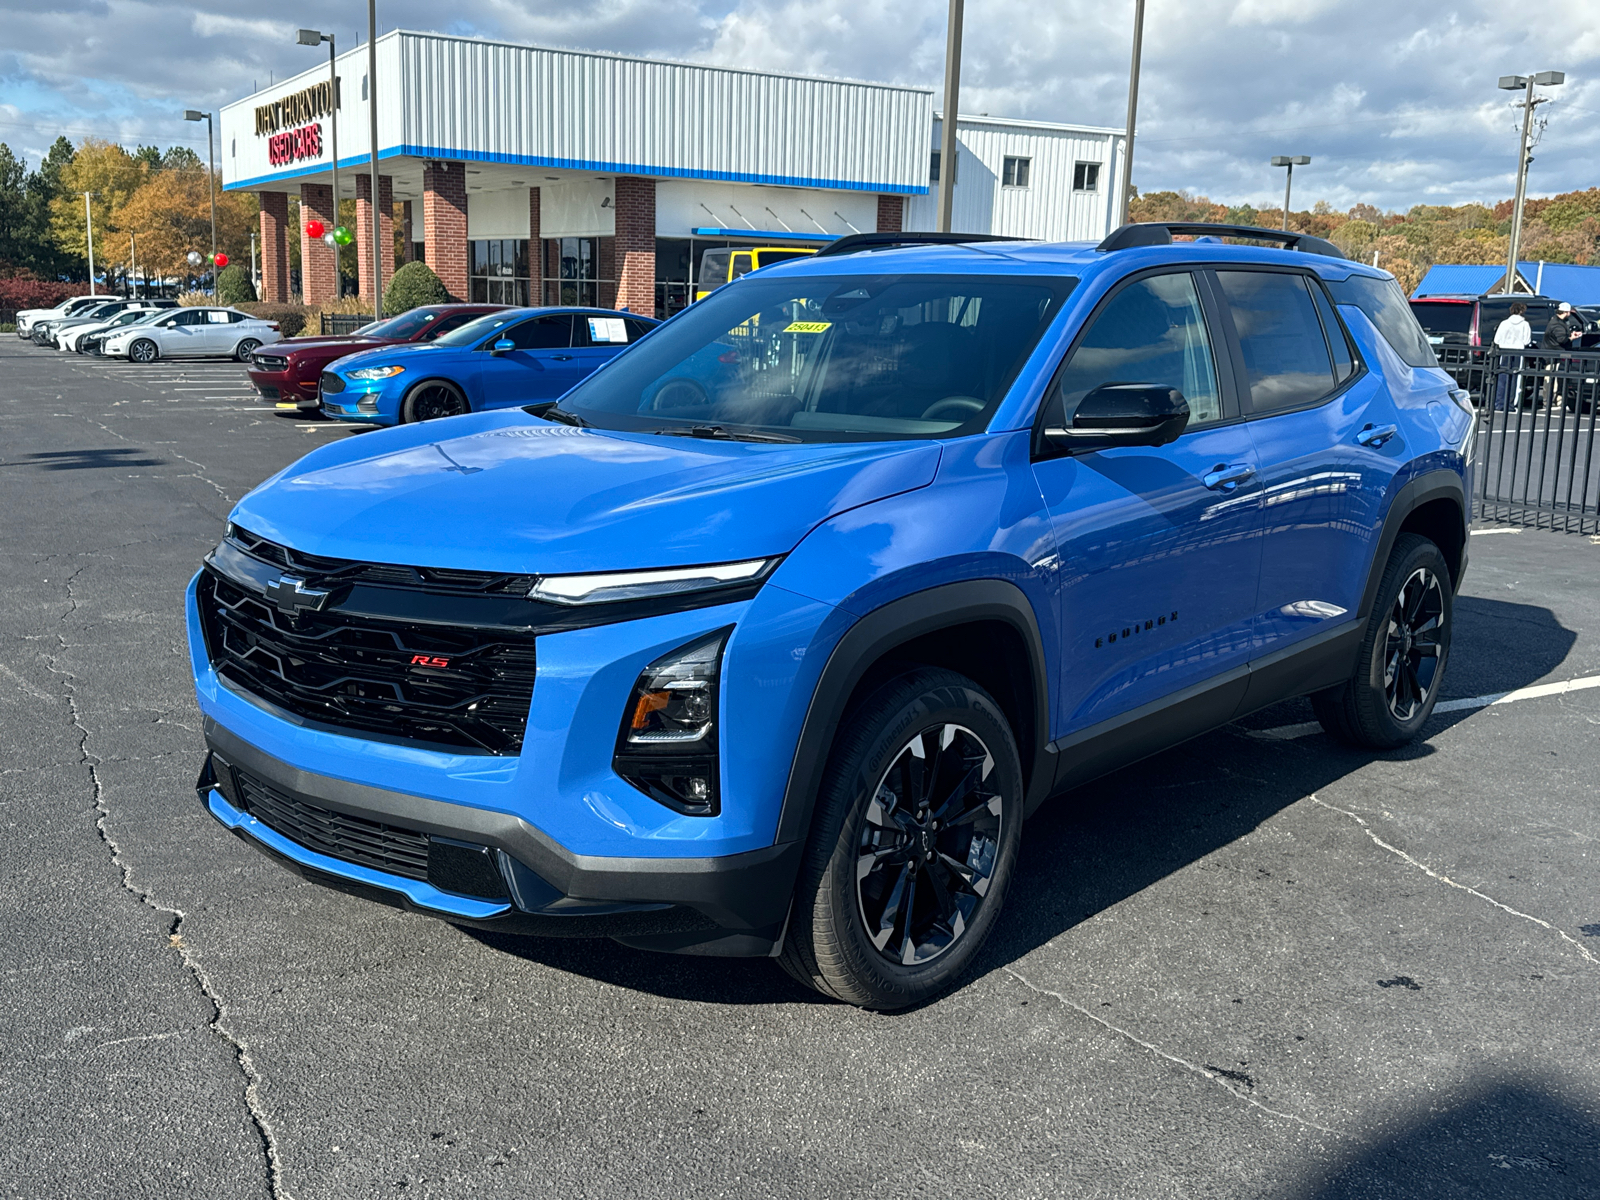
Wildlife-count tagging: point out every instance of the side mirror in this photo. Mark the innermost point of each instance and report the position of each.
(1124, 414)
(503, 346)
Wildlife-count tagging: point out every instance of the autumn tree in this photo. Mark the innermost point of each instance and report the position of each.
(111, 174)
(170, 215)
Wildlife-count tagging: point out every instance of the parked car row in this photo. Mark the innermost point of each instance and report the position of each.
(143, 331)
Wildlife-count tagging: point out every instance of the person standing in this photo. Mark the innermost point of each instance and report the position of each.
(1514, 334)
(1559, 335)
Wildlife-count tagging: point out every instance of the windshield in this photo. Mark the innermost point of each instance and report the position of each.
(474, 332)
(1443, 316)
(406, 325)
(829, 358)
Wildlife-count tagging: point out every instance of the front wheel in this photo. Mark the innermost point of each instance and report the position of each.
(1401, 665)
(913, 843)
(246, 348)
(432, 400)
(143, 351)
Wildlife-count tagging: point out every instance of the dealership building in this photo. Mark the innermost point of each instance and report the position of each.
(524, 175)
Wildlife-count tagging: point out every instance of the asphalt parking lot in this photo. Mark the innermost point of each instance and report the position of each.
(1260, 965)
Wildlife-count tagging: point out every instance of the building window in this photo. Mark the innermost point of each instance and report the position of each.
(499, 271)
(1015, 173)
(933, 168)
(1086, 177)
(577, 279)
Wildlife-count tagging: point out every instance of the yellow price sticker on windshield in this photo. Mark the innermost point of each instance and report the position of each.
(807, 326)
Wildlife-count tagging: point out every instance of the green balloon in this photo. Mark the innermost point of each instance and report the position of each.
(341, 234)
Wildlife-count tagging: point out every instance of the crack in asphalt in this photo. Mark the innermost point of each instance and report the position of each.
(241, 1052)
(1445, 879)
(1221, 1078)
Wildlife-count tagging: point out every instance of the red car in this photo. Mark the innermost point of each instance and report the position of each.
(285, 373)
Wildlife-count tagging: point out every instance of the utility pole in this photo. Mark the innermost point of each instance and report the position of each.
(1284, 160)
(372, 132)
(952, 103)
(133, 268)
(88, 225)
(1512, 83)
(211, 185)
(1133, 112)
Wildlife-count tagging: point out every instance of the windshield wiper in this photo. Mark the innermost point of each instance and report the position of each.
(550, 410)
(728, 435)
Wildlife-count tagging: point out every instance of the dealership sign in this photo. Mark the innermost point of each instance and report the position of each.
(299, 108)
(290, 147)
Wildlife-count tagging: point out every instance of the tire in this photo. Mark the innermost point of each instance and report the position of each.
(894, 898)
(245, 349)
(143, 351)
(433, 399)
(1403, 653)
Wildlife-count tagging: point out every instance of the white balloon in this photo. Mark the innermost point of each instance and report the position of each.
(194, 258)
(328, 239)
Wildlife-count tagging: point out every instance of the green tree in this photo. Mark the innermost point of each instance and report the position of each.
(111, 174)
(234, 286)
(181, 158)
(150, 156)
(15, 215)
(413, 285)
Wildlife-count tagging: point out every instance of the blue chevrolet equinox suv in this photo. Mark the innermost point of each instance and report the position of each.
(767, 638)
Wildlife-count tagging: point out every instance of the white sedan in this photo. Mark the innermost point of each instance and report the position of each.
(191, 333)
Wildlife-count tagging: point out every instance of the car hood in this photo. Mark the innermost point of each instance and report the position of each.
(348, 345)
(507, 492)
(386, 352)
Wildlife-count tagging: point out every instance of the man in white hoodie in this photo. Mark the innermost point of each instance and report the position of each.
(1514, 334)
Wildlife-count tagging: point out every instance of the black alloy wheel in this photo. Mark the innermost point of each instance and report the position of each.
(912, 845)
(245, 349)
(143, 351)
(432, 400)
(926, 856)
(1400, 667)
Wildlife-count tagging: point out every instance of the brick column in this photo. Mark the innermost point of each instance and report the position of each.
(364, 231)
(408, 245)
(605, 273)
(552, 269)
(319, 268)
(891, 212)
(535, 254)
(274, 246)
(635, 250)
(444, 224)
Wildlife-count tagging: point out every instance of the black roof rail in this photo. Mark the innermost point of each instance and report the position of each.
(856, 243)
(1159, 233)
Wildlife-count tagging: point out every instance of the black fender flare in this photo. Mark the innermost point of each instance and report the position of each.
(875, 635)
(1440, 484)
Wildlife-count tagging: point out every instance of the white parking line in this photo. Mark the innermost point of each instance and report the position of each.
(1288, 733)
(1483, 532)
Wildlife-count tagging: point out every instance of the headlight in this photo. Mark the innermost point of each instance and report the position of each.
(667, 746)
(374, 372)
(636, 585)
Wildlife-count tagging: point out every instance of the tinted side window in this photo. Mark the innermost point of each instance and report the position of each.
(453, 321)
(1344, 363)
(543, 333)
(1152, 331)
(637, 329)
(1385, 306)
(192, 317)
(1285, 354)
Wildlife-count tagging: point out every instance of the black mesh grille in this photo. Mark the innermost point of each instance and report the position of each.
(330, 572)
(330, 383)
(338, 835)
(271, 362)
(454, 686)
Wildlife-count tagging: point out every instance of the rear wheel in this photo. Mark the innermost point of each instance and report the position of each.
(1403, 654)
(432, 400)
(143, 351)
(913, 843)
(246, 348)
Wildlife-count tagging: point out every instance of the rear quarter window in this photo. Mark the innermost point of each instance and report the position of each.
(1387, 308)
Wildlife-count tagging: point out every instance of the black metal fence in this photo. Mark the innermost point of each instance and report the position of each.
(343, 324)
(1536, 452)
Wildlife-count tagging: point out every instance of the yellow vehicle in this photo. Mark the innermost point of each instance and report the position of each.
(724, 265)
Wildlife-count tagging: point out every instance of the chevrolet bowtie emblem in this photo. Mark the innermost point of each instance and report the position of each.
(292, 596)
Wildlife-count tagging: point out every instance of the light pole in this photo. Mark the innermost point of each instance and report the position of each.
(1284, 160)
(133, 268)
(1512, 83)
(88, 226)
(211, 187)
(1133, 111)
(372, 131)
(312, 37)
(952, 102)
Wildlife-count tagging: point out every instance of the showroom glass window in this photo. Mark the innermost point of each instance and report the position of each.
(499, 271)
(578, 277)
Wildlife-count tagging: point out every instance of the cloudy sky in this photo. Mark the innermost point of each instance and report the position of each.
(1394, 99)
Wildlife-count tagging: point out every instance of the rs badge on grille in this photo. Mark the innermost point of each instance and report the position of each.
(292, 596)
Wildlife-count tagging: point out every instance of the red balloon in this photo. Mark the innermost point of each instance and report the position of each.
(314, 229)
(222, 259)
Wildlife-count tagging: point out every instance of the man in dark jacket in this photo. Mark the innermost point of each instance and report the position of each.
(1559, 334)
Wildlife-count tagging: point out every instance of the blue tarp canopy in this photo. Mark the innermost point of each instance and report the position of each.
(1563, 281)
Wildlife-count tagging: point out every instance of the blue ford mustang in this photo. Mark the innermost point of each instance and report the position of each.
(765, 639)
(502, 360)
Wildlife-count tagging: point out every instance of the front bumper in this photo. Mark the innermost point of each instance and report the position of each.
(734, 905)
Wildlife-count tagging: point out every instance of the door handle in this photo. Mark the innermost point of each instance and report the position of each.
(1376, 435)
(1224, 478)
(561, 358)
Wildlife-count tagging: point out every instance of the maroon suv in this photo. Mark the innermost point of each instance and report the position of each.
(285, 373)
